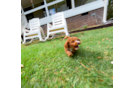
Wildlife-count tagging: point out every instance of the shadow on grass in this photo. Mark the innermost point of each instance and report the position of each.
(87, 55)
(89, 60)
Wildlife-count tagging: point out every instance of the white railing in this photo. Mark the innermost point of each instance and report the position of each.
(75, 11)
(43, 6)
(68, 13)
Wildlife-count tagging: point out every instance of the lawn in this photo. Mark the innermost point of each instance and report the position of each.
(47, 66)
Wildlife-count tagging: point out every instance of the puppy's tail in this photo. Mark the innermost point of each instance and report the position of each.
(66, 37)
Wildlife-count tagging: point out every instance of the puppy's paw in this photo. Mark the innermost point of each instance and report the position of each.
(70, 54)
(73, 51)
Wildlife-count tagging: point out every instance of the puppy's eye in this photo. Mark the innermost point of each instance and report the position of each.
(72, 41)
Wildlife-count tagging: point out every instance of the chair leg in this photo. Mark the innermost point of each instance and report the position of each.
(40, 38)
(47, 32)
(66, 31)
(47, 36)
(39, 35)
(24, 41)
(67, 34)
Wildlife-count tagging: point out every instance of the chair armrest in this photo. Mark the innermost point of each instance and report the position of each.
(41, 28)
(49, 25)
(25, 30)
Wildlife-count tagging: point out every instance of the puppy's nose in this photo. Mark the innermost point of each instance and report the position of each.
(78, 43)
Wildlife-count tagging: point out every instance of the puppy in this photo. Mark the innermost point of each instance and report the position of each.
(71, 45)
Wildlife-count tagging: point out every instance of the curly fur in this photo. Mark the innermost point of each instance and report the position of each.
(71, 45)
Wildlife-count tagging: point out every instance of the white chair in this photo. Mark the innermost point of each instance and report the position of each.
(34, 32)
(58, 25)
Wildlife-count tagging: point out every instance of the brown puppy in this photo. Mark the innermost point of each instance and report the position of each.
(71, 45)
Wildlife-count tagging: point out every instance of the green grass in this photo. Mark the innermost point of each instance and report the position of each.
(85, 26)
(47, 65)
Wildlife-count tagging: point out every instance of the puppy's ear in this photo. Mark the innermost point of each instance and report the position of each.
(66, 45)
